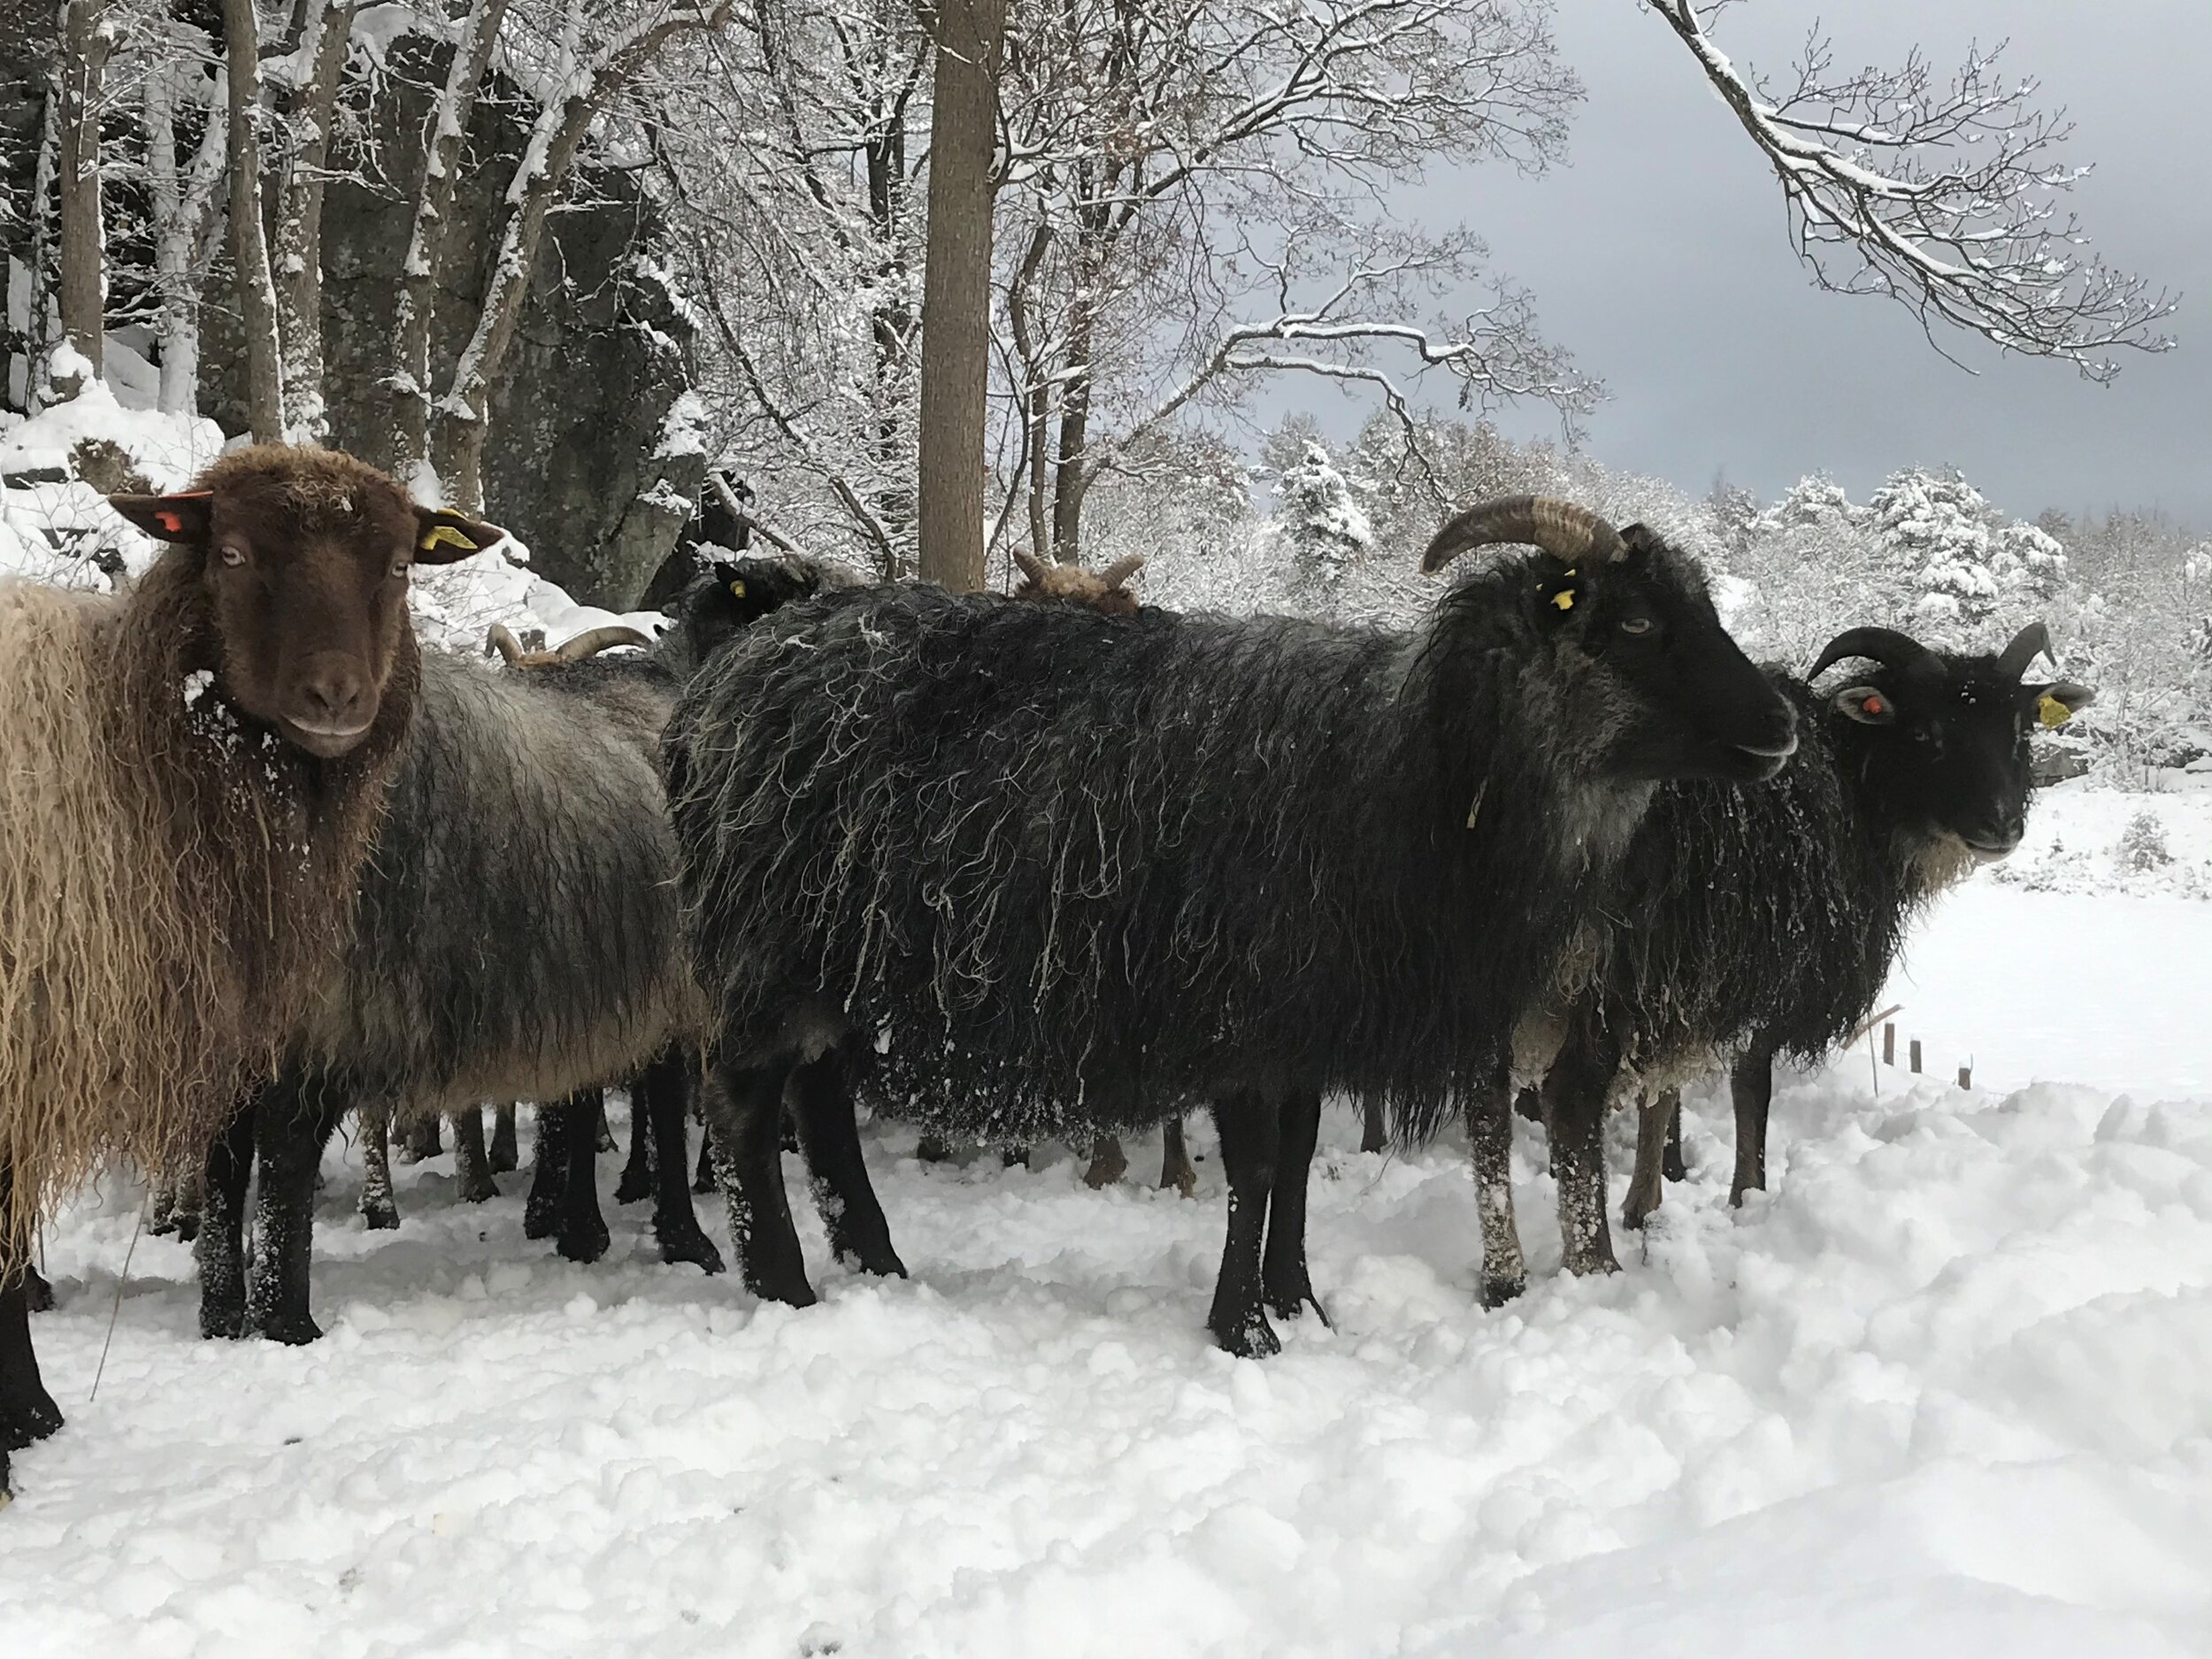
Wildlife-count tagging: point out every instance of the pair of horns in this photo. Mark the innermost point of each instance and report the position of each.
(1119, 572)
(1897, 650)
(590, 643)
(1557, 527)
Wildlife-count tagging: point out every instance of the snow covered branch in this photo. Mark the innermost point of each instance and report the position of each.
(1942, 197)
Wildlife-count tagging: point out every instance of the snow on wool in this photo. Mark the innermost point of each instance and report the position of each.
(1948, 1385)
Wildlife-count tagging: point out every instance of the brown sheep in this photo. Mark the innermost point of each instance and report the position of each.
(189, 776)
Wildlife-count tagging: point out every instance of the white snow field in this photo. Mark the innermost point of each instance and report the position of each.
(1948, 1389)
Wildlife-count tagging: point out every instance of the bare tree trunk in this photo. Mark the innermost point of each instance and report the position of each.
(299, 227)
(184, 220)
(249, 250)
(1069, 479)
(412, 314)
(83, 274)
(956, 290)
(541, 177)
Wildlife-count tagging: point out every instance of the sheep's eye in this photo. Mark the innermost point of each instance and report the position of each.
(1635, 625)
(400, 566)
(231, 554)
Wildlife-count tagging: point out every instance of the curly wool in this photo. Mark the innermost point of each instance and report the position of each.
(1066, 869)
(172, 882)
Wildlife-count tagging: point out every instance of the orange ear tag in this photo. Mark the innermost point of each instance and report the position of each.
(170, 519)
(1873, 705)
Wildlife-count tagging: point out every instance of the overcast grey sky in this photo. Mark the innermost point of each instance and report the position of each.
(1660, 256)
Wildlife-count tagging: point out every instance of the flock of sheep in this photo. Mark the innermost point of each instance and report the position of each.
(1056, 865)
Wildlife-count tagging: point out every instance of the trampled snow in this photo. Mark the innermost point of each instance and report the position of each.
(1948, 1387)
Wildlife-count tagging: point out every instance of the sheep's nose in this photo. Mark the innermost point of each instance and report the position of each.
(333, 698)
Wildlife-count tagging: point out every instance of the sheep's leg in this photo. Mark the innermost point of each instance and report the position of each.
(1490, 1137)
(745, 1115)
(662, 1098)
(292, 1126)
(604, 1140)
(1176, 1169)
(702, 1181)
(505, 1158)
(220, 1249)
(419, 1139)
(379, 1212)
(548, 1172)
(1251, 1139)
(1575, 1095)
(637, 1169)
(471, 1162)
(1751, 1082)
(27, 1412)
(1287, 1287)
(1529, 1104)
(582, 1235)
(1108, 1162)
(1374, 1132)
(1645, 1190)
(1670, 1164)
(822, 1098)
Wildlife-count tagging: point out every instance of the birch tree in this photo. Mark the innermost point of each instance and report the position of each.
(1942, 196)
(594, 59)
(184, 180)
(413, 314)
(249, 252)
(307, 107)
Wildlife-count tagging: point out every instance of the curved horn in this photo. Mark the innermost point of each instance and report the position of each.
(501, 639)
(2030, 642)
(1030, 565)
(591, 642)
(1122, 568)
(1886, 646)
(1559, 527)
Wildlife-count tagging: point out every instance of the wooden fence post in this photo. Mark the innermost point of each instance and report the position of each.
(1966, 1077)
(1889, 1042)
(1916, 1054)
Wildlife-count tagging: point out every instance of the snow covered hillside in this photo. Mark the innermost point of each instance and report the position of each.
(1949, 1384)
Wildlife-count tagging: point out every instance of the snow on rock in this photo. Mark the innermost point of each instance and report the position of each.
(1947, 1386)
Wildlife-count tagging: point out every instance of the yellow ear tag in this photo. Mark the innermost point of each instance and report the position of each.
(1565, 599)
(737, 588)
(2051, 711)
(445, 536)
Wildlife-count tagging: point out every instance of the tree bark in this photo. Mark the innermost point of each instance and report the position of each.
(417, 300)
(956, 290)
(249, 250)
(299, 229)
(1069, 479)
(83, 261)
(542, 173)
(184, 218)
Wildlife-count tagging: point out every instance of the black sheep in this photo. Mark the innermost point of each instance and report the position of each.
(1022, 870)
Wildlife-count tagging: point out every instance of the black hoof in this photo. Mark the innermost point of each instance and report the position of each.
(679, 1247)
(1497, 1292)
(1292, 1304)
(634, 1188)
(1249, 1337)
(294, 1331)
(221, 1319)
(187, 1226)
(379, 1217)
(541, 1220)
(792, 1290)
(26, 1421)
(880, 1259)
(479, 1191)
(932, 1150)
(1589, 1262)
(583, 1243)
(38, 1295)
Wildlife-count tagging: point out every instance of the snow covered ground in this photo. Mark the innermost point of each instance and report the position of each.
(1950, 1386)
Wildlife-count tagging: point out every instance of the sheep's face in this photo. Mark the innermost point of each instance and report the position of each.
(1943, 742)
(303, 556)
(734, 593)
(1658, 685)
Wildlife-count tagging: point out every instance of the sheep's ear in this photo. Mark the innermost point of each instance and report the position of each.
(2060, 701)
(1869, 705)
(442, 535)
(182, 517)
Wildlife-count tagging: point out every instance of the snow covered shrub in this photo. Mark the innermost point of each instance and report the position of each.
(2142, 845)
